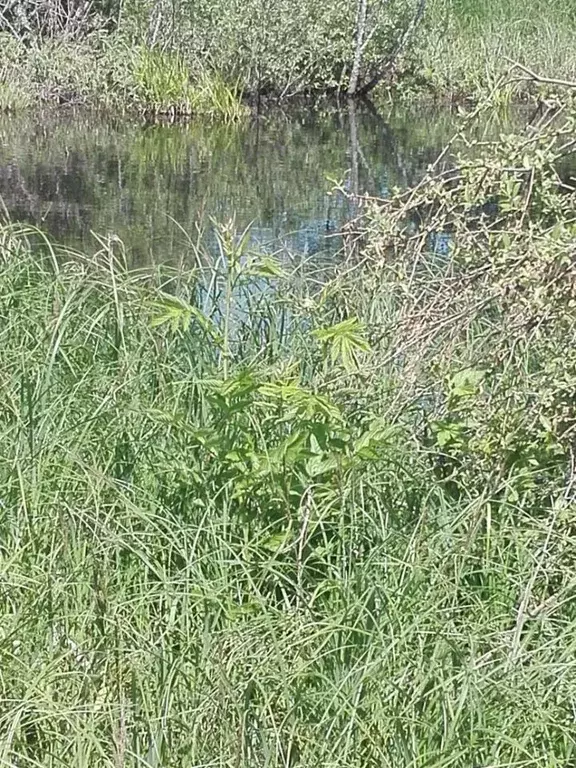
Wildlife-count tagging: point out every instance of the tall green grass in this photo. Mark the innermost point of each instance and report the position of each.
(164, 85)
(467, 11)
(468, 45)
(227, 535)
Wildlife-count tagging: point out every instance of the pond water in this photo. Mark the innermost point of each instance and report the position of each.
(158, 187)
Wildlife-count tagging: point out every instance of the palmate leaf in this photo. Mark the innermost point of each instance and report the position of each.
(179, 314)
(299, 402)
(265, 266)
(345, 341)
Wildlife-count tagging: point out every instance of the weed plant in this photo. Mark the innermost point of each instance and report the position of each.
(104, 71)
(249, 520)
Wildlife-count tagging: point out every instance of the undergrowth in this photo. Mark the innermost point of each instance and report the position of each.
(254, 520)
(105, 71)
(469, 45)
(184, 58)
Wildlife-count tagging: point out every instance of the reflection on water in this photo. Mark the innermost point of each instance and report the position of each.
(156, 186)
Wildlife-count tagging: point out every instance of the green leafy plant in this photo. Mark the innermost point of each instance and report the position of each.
(237, 529)
(345, 342)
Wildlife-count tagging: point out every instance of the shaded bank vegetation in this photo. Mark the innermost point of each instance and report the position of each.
(183, 57)
(249, 519)
(174, 55)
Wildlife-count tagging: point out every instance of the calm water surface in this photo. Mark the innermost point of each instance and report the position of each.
(157, 186)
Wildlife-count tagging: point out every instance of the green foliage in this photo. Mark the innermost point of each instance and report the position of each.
(250, 558)
(469, 45)
(345, 341)
(162, 81)
(205, 56)
(12, 98)
(163, 84)
(289, 47)
(215, 98)
(250, 520)
(508, 280)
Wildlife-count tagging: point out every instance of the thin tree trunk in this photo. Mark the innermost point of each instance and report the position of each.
(354, 170)
(361, 10)
(154, 22)
(350, 239)
(382, 68)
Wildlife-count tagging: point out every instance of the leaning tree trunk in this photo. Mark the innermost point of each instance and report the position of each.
(384, 65)
(361, 10)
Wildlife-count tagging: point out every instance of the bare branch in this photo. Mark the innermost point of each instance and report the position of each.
(539, 78)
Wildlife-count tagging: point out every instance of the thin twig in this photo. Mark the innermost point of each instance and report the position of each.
(540, 78)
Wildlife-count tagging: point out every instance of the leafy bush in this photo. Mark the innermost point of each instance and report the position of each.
(286, 46)
(505, 418)
(283, 47)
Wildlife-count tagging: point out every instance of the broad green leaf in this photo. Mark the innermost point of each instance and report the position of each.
(276, 542)
(467, 382)
(319, 465)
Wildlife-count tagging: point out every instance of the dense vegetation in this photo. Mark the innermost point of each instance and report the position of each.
(184, 56)
(250, 517)
(254, 519)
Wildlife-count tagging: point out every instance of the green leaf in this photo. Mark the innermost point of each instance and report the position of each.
(466, 382)
(319, 465)
(276, 542)
(345, 342)
(448, 432)
(178, 314)
(376, 436)
(266, 267)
